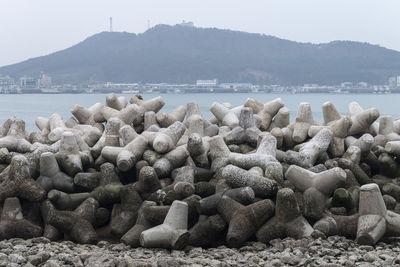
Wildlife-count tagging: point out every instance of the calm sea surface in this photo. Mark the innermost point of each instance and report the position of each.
(28, 107)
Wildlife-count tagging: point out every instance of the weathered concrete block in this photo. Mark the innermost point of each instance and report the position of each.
(173, 233)
(288, 220)
(316, 187)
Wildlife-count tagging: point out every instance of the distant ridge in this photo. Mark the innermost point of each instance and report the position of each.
(178, 54)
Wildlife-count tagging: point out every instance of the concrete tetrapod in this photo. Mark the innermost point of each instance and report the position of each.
(78, 223)
(196, 124)
(173, 233)
(108, 192)
(264, 157)
(69, 157)
(311, 150)
(281, 119)
(165, 119)
(126, 134)
(87, 181)
(237, 177)
(110, 137)
(339, 130)
(192, 111)
(303, 122)
(198, 150)
(208, 205)
(288, 220)
(57, 127)
(14, 136)
(13, 224)
(20, 184)
(246, 132)
(124, 214)
(126, 157)
(173, 159)
(244, 221)
(391, 189)
(365, 143)
(182, 187)
(207, 230)
(88, 133)
(167, 139)
(225, 115)
(375, 220)
(148, 182)
(316, 187)
(219, 153)
(51, 177)
(388, 165)
(347, 198)
(386, 132)
(266, 111)
(150, 119)
(154, 104)
(49, 231)
(33, 158)
(132, 236)
(330, 113)
(341, 225)
(363, 120)
(41, 136)
(65, 201)
(351, 160)
(393, 147)
(130, 115)
(115, 102)
(91, 116)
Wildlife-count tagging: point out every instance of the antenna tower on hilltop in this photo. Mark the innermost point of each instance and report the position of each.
(110, 24)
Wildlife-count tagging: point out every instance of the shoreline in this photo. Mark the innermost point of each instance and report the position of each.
(332, 251)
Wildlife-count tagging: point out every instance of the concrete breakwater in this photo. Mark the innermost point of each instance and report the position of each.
(126, 170)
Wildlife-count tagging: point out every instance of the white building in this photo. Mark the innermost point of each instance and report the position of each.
(346, 84)
(362, 84)
(44, 81)
(28, 82)
(6, 82)
(205, 83)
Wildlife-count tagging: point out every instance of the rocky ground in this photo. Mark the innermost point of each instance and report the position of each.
(333, 251)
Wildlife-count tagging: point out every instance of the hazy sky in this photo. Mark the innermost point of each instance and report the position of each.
(31, 28)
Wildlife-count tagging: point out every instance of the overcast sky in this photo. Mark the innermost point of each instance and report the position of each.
(31, 28)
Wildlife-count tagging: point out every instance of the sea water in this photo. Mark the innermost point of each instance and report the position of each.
(29, 106)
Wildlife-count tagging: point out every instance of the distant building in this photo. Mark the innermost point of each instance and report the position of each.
(44, 81)
(311, 85)
(236, 85)
(362, 84)
(398, 81)
(207, 83)
(28, 82)
(392, 82)
(187, 23)
(346, 85)
(6, 82)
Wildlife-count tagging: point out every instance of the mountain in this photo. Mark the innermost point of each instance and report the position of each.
(179, 54)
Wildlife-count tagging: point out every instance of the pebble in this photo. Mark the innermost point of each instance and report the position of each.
(333, 251)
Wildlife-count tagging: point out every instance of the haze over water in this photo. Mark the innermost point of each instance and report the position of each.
(29, 107)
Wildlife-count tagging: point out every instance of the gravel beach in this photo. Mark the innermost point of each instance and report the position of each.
(333, 251)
